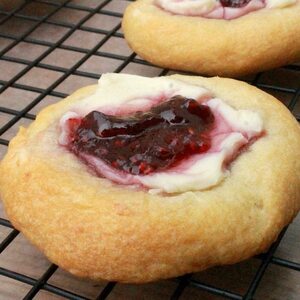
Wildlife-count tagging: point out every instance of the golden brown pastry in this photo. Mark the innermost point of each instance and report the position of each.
(209, 44)
(139, 231)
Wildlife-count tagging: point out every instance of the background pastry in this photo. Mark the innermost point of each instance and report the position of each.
(228, 38)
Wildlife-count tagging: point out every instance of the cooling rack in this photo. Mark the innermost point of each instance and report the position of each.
(49, 49)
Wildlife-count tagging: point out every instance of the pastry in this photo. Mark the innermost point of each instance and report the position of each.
(212, 37)
(136, 179)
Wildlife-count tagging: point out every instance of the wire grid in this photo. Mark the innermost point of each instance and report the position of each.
(100, 9)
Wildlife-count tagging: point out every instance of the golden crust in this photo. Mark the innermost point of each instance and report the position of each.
(255, 42)
(94, 228)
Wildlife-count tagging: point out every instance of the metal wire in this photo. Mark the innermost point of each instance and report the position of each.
(42, 282)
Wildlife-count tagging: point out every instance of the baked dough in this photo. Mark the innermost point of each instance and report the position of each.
(258, 41)
(97, 229)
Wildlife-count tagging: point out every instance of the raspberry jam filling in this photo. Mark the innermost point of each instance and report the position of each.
(146, 142)
(234, 3)
(138, 132)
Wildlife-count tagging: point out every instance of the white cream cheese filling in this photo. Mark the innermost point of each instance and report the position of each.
(120, 93)
(189, 7)
(123, 94)
(214, 9)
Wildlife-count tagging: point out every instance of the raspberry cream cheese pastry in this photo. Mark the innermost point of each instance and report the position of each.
(226, 37)
(138, 178)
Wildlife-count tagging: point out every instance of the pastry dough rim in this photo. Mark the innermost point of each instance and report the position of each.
(96, 229)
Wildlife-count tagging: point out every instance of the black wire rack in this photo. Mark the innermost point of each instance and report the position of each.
(84, 11)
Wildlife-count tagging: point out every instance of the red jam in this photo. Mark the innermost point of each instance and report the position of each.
(146, 141)
(234, 3)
